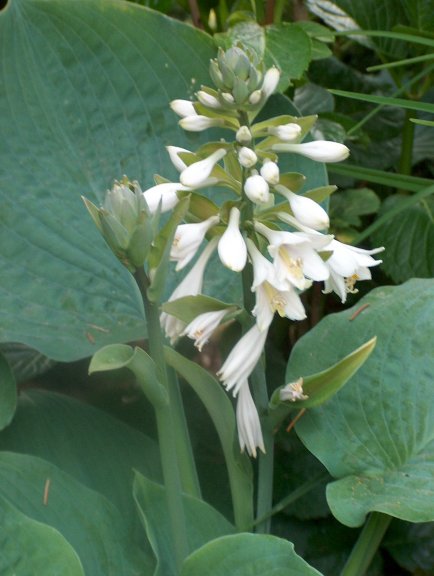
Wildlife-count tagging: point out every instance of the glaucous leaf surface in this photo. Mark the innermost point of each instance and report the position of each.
(8, 393)
(31, 548)
(85, 518)
(376, 435)
(247, 555)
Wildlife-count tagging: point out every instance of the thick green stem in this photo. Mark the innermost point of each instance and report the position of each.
(405, 161)
(367, 544)
(187, 467)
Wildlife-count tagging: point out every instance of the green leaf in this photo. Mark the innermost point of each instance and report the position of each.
(46, 422)
(221, 412)
(375, 435)
(349, 205)
(47, 553)
(8, 393)
(92, 106)
(320, 387)
(313, 99)
(203, 522)
(25, 362)
(247, 555)
(411, 545)
(92, 526)
(289, 48)
(115, 356)
(408, 236)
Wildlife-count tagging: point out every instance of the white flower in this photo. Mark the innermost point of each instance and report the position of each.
(191, 285)
(294, 256)
(247, 157)
(188, 238)
(183, 108)
(243, 135)
(347, 265)
(257, 189)
(231, 247)
(174, 152)
(248, 424)
(306, 210)
(164, 193)
(319, 150)
(197, 123)
(208, 100)
(199, 172)
(270, 172)
(201, 328)
(255, 97)
(286, 132)
(271, 80)
(242, 359)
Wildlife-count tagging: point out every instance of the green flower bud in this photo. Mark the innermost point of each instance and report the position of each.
(125, 223)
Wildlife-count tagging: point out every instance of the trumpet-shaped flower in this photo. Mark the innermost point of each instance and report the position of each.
(242, 359)
(248, 424)
(270, 172)
(286, 132)
(347, 265)
(199, 172)
(319, 150)
(306, 210)
(164, 194)
(201, 328)
(231, 247)
(183, 108)
(257, 189)
(191, 285)
(188, 238)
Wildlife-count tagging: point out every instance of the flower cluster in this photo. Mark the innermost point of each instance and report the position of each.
(268, 226)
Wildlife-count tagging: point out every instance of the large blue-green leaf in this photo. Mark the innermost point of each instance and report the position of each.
(376, 435)
(46, 552)
(247, 555)
(8, 393)
(85, 518)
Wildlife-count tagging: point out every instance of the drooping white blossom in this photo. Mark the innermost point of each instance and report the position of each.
(202, 327)
(248, 423)
(166, 193)
(242, 359)
(232, 247)
(188, 238)
(199, 172)
(319, 150)
(347, 265)
(191, 285)
(306, 210)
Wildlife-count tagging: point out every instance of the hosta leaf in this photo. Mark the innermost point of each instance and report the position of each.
(375, 436)
(8, 393)
(47, 553)
(247, 555)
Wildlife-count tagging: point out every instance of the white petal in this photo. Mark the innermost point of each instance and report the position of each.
(286, 132)
(174, 151)
(306, 210)
(198, 172)
(271, 80)
(183, 108)
(188, 238)
(201, 328)
(248, 423)
(198, 123)
(319, 150)
(164, 193)
(257, 189)
(270, 171)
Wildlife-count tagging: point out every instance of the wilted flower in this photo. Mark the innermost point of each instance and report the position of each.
(248, 424)
(293, 391)
(231, 247)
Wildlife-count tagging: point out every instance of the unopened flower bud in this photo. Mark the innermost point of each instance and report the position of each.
(319, 150)
(256, 189)
(227, 97)
(183, 108)
(247, 157)
(243, 135)
(287, 132)
(208, 100)
(255, 97)
(198, 172)
(199, 123)
(271, 80)
(270, 172)
(231, 247)
(306, 210)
